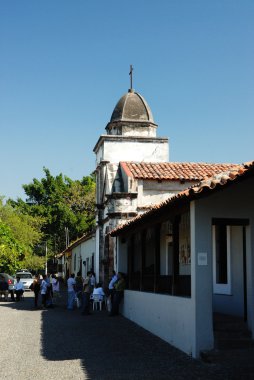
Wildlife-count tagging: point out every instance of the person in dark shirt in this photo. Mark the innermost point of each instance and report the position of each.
(119, 287)
(87, 289)
(36, 287)
(78, 289)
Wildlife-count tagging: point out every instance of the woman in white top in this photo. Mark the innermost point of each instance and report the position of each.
(98, 290)
(55, 286)
(71, 292)
(92, 280)
(19, 289)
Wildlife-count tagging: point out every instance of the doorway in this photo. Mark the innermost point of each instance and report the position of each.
(229, 269)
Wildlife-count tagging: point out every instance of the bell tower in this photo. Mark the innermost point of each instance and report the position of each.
(130, 136)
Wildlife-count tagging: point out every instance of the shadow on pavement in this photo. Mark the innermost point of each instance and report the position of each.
(115, 348)
(24, 304)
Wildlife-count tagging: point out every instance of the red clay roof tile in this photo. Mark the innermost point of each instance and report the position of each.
(212, 183)
(181, 171)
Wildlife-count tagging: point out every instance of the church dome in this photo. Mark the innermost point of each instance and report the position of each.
(132, 107)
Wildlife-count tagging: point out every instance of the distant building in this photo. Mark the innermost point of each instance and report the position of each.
(79, 256)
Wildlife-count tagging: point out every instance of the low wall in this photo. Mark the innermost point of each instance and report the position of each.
(170, 318)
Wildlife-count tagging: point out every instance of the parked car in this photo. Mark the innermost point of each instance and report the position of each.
(9, 279)
(23, 270)
(26, 278)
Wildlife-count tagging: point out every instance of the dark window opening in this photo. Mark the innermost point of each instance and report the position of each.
(221, 255)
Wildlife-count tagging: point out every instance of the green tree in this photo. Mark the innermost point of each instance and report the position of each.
(18, 235)
(63, 203)
(11, 251)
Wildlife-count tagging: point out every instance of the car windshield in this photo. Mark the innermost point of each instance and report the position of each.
(24, 275)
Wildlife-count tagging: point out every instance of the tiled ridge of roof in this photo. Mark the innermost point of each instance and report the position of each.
(211, 183)
(189, 171)
(76, 242)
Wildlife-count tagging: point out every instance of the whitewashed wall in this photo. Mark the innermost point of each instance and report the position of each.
(84, 250)
(234, 202)
(187, 323)
(147, 150)
(170, 318)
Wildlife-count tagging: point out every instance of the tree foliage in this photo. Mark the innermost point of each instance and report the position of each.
(11, 251)
(18, 235)
(64, 205)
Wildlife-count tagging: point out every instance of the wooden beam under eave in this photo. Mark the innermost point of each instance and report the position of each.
(157, 256)
(175, 276)
(164, 215)
(143, 255)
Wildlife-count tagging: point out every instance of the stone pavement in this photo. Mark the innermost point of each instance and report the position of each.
(98, 347)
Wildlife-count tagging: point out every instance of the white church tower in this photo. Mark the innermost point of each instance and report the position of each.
(131, 136)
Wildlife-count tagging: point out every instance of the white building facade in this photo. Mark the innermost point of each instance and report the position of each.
(131, 136)
(180, 277)
(133, 172)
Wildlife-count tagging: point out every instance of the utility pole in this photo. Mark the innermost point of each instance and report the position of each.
(67, 236)
(46, 257)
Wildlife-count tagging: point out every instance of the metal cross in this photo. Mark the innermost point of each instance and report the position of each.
(130, 73)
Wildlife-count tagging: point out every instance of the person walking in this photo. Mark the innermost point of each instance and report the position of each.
(49, 295)
(71, 292)
(44, 289)
(36, 287)
(55, 288)
(86, 294)
(79, 288)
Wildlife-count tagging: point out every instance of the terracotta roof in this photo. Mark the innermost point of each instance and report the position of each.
(209, 184)
(75, 243)
(181, 171)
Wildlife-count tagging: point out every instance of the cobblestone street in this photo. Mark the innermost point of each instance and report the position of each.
(61, 344)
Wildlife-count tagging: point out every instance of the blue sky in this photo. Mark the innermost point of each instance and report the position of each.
(65, 64)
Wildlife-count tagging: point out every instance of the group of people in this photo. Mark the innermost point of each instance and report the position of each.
(82, 291)
(48, 287)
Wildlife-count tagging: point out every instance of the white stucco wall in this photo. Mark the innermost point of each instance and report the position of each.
(151, 192)
(235, 202)
(84, 250)
(135, 131)
(123, 204)
(201, 283)
(170, 318)
(97, 244)
(188, 323)
(116, 151)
